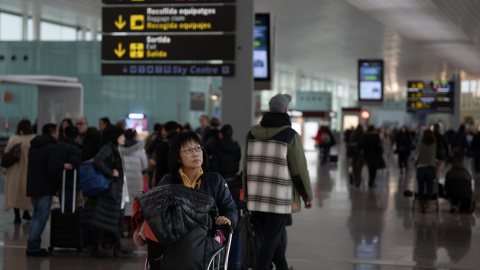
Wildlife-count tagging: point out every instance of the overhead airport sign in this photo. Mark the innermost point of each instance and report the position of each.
(169, 19)
(163, 47)
(224, 70)
(430, 96)
(133, 2)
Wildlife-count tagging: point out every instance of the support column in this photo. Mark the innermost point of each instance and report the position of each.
(456, 101)
(237, 92)
(36, 17)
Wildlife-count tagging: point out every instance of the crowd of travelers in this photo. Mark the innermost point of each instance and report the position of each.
(430, 150)
(173, 155)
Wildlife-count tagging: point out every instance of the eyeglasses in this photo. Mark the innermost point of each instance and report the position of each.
(188, 151)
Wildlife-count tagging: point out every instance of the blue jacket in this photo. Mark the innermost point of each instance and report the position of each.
(214, 184)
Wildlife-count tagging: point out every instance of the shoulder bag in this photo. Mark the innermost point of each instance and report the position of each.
(12, 156)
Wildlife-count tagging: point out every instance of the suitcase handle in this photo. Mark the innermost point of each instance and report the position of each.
(74, 199)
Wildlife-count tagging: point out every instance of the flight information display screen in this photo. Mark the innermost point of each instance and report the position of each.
(430, 96)
(370, 80)
(261, 49)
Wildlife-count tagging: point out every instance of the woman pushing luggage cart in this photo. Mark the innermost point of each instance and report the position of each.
(182, 224)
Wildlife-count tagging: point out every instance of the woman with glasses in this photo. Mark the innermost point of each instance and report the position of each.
(188, 164)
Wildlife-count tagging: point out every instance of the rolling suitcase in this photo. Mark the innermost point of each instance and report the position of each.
(66, 227)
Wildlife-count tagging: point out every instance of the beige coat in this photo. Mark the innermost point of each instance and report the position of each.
(16, 176)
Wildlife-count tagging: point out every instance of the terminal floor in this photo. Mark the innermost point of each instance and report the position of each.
(347, 228)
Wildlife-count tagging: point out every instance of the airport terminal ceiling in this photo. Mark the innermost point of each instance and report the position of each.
(418, 39)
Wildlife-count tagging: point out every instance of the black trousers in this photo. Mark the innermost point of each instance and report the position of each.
(272, 244)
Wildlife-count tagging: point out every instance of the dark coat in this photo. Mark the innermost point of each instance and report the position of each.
(442, 146)
(42, 167)
(68, 151)
(373, 150)
(215, 185)
(404, 143)
(458, 183)
(103, 211)
(161, 147)
(459, 141)
(225, 157)
(90, 144)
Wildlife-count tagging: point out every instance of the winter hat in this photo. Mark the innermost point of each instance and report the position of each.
(279, 103)
(111, 133)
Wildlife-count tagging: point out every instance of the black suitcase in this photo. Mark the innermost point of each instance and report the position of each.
(66, 227)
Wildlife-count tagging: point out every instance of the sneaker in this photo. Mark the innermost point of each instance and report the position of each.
(41, 253)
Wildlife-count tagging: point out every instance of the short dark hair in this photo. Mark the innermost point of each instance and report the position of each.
(24, 127)
(49, 129)
(174, 152)
(157, 127)
(105, 120)
(170, 126)
(227, 131)
(130, 134)
(428, 137)
(215, 122)
(71, 132)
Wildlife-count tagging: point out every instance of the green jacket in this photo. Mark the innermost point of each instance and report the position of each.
(275, 161)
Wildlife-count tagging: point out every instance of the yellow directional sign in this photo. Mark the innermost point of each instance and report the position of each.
(137, 22)
(120, 51)
(136, 50)
(120, 23)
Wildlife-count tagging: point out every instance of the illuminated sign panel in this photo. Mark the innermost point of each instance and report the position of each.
(169, 19)
(370, 80)
(430, 96)
(261, 48)
(150, 69)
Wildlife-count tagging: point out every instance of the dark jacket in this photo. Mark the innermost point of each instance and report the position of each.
(103, 211)
(404, 143)
(90, 144)
(356, 145)
(459, 141)
(373, 150)
(225, 157)
(442, 146)
(68, 151)
(161, 147)
(215, 185)
(458, 183)
(42, 167)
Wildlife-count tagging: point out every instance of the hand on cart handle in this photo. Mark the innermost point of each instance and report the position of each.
(68, 166)
(221, 220)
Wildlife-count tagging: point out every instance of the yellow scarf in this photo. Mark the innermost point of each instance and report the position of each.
(195, 184)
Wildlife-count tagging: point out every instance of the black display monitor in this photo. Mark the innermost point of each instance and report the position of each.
(430, 96)
(370, 80)
(262, 48)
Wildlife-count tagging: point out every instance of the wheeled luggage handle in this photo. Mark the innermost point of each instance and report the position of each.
(74, 199)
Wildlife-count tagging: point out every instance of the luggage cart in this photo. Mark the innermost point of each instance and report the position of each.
(215, 262)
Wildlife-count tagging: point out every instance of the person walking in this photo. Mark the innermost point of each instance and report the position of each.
(373, 154)
(102, 213)
(355, 149)
(41, 185)
(135, 161)
(275, 177)
(225, 154)
(442, 150)
(16, 175)
(403, 142)
(425, 164)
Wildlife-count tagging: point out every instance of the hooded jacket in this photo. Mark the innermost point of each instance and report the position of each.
(225, 157)
(135, 161)
(274, 160)
(42, 167)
